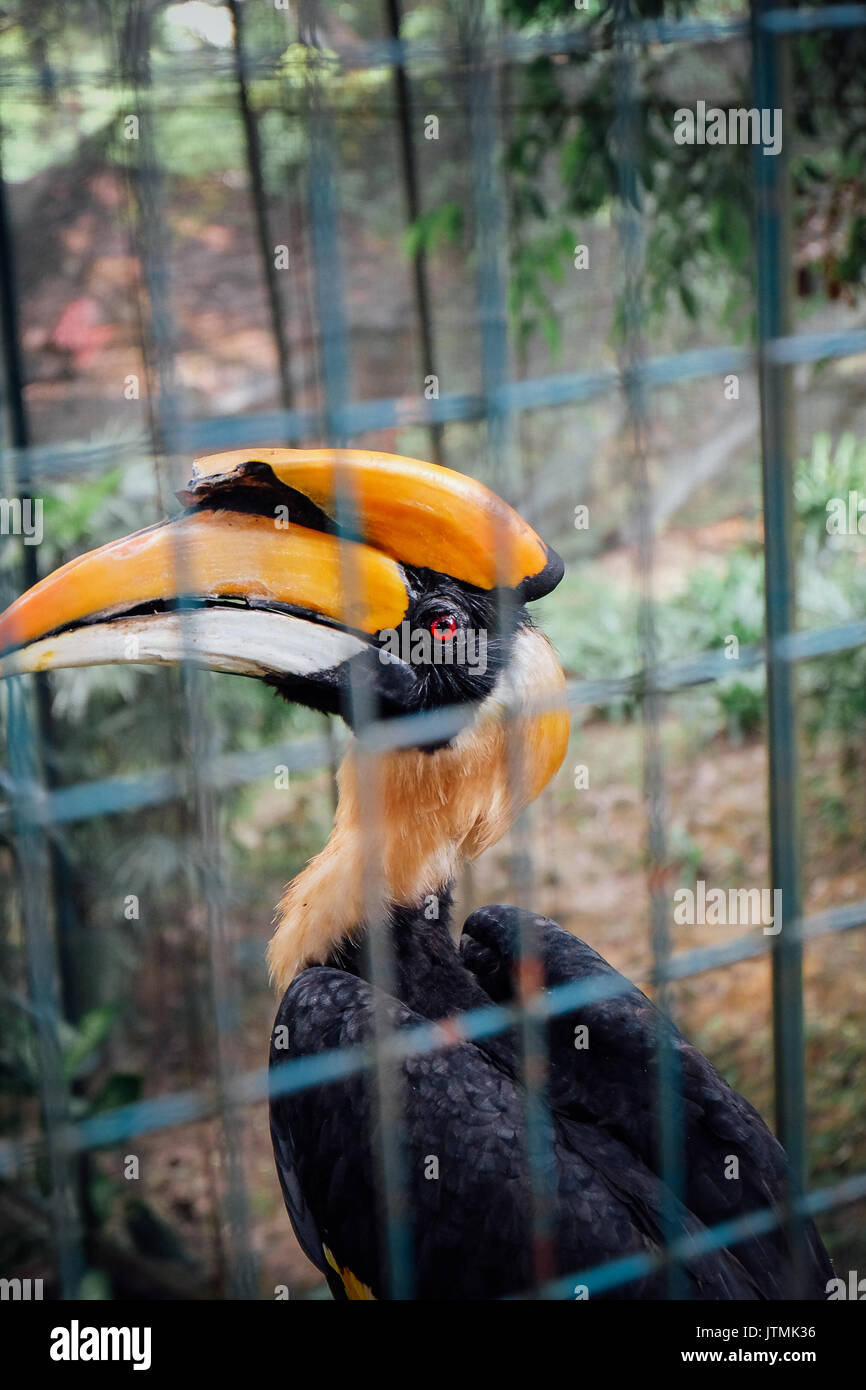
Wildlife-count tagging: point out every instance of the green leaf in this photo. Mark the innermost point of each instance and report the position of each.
(89, 1034)
(121, 1088)
(68, 515)
(95, 1286)
(102, 1191)
(442, 224)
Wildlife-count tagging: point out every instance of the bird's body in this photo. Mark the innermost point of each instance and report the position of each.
(377, 544)
(463, 1134)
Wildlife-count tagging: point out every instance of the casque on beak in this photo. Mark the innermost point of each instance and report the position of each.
(286, 565)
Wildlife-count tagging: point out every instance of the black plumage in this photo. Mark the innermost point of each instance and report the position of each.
(463, 1106)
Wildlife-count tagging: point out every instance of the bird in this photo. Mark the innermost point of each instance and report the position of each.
(396, 593)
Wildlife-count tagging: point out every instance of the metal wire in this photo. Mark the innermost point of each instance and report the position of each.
(387, 1096)
(771, 81)
(34, 808)
(668, 1081)
(220, 1027)
(54, 462)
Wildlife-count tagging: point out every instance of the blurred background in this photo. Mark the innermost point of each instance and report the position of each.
(268, 223)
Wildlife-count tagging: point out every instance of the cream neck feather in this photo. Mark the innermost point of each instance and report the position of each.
(421, 814)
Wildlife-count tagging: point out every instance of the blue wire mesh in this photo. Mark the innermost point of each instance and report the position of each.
(33, 808)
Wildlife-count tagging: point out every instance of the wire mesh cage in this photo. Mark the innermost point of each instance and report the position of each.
(448, 232)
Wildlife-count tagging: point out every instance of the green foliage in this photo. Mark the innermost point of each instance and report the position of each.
(724, 602)
(593, 627)
(718, 604)
(95, 1286)
(441, 224)
(834, 697)
(831, 589)
(120, 1088)
(699, 212)
(593, 624)
(741, 700)
(83, 1048)
(195, 141)
(19, 1062)
(825, 474)
(834, 687)
(529, 305)
(72, 512)
(82, 1041)
(685, 853)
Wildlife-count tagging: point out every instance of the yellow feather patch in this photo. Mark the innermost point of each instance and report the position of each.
(355, 1290)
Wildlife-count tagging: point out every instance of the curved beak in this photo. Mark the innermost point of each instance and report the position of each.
(419, 513)
(260, 576)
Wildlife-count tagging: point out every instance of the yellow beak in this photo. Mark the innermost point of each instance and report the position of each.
(419, 513)
(260, 538)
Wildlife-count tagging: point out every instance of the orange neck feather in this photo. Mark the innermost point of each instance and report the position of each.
(424, 813)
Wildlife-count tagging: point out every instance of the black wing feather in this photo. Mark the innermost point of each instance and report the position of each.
(614, 1082)
(470, 1223)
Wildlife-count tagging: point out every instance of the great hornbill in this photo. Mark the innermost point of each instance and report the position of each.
(275, 588)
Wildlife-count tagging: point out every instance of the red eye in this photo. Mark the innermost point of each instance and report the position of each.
(444, 627)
